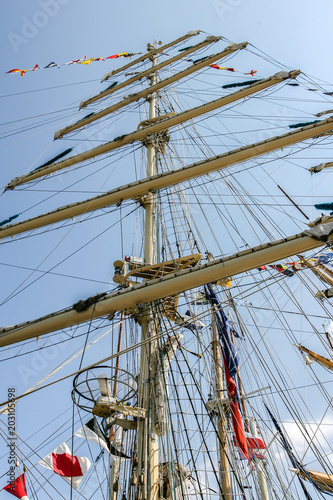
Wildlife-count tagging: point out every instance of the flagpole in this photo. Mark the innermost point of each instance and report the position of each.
(250, 424)
(260, 468)
(221, 417)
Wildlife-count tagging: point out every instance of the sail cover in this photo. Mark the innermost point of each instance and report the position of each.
(313, 356)
(323, 481)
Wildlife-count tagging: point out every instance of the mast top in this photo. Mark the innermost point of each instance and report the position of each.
(149, 54)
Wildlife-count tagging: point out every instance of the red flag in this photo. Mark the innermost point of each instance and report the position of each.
(235, 413)
(71, 467)
(75, 61)
(253, 443)
(282, 269)
(22, 71)
(216, 66)
(18, 488)
(262, 268)
(117, 55)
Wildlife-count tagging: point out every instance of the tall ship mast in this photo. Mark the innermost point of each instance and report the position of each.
(199, 367)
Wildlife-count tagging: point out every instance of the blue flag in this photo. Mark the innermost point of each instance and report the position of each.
(224, 328)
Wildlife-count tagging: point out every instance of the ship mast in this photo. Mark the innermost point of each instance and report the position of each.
(147, 442)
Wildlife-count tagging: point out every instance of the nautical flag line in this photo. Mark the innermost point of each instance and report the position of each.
(83, 60)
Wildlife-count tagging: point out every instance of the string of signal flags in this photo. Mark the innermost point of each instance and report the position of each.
(83, 60)
(86, 61)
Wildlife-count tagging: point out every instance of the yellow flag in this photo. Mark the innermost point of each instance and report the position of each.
(88, 61)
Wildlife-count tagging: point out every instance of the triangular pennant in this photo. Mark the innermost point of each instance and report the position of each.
(73, 62)
(87, 61)
(52, 65)
(33, 69)
(22, 71)
(92, 432)
(194, 325)
(115, 56)
(18, 488)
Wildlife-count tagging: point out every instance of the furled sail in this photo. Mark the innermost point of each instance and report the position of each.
(313, 356)
(323, 480)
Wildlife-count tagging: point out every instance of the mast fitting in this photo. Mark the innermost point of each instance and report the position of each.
(321, 232)
(321, 220)
(157, 119)
(194, 33)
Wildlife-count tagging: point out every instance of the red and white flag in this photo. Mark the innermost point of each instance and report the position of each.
(18, 488)
(69, 466)
(254, 443)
